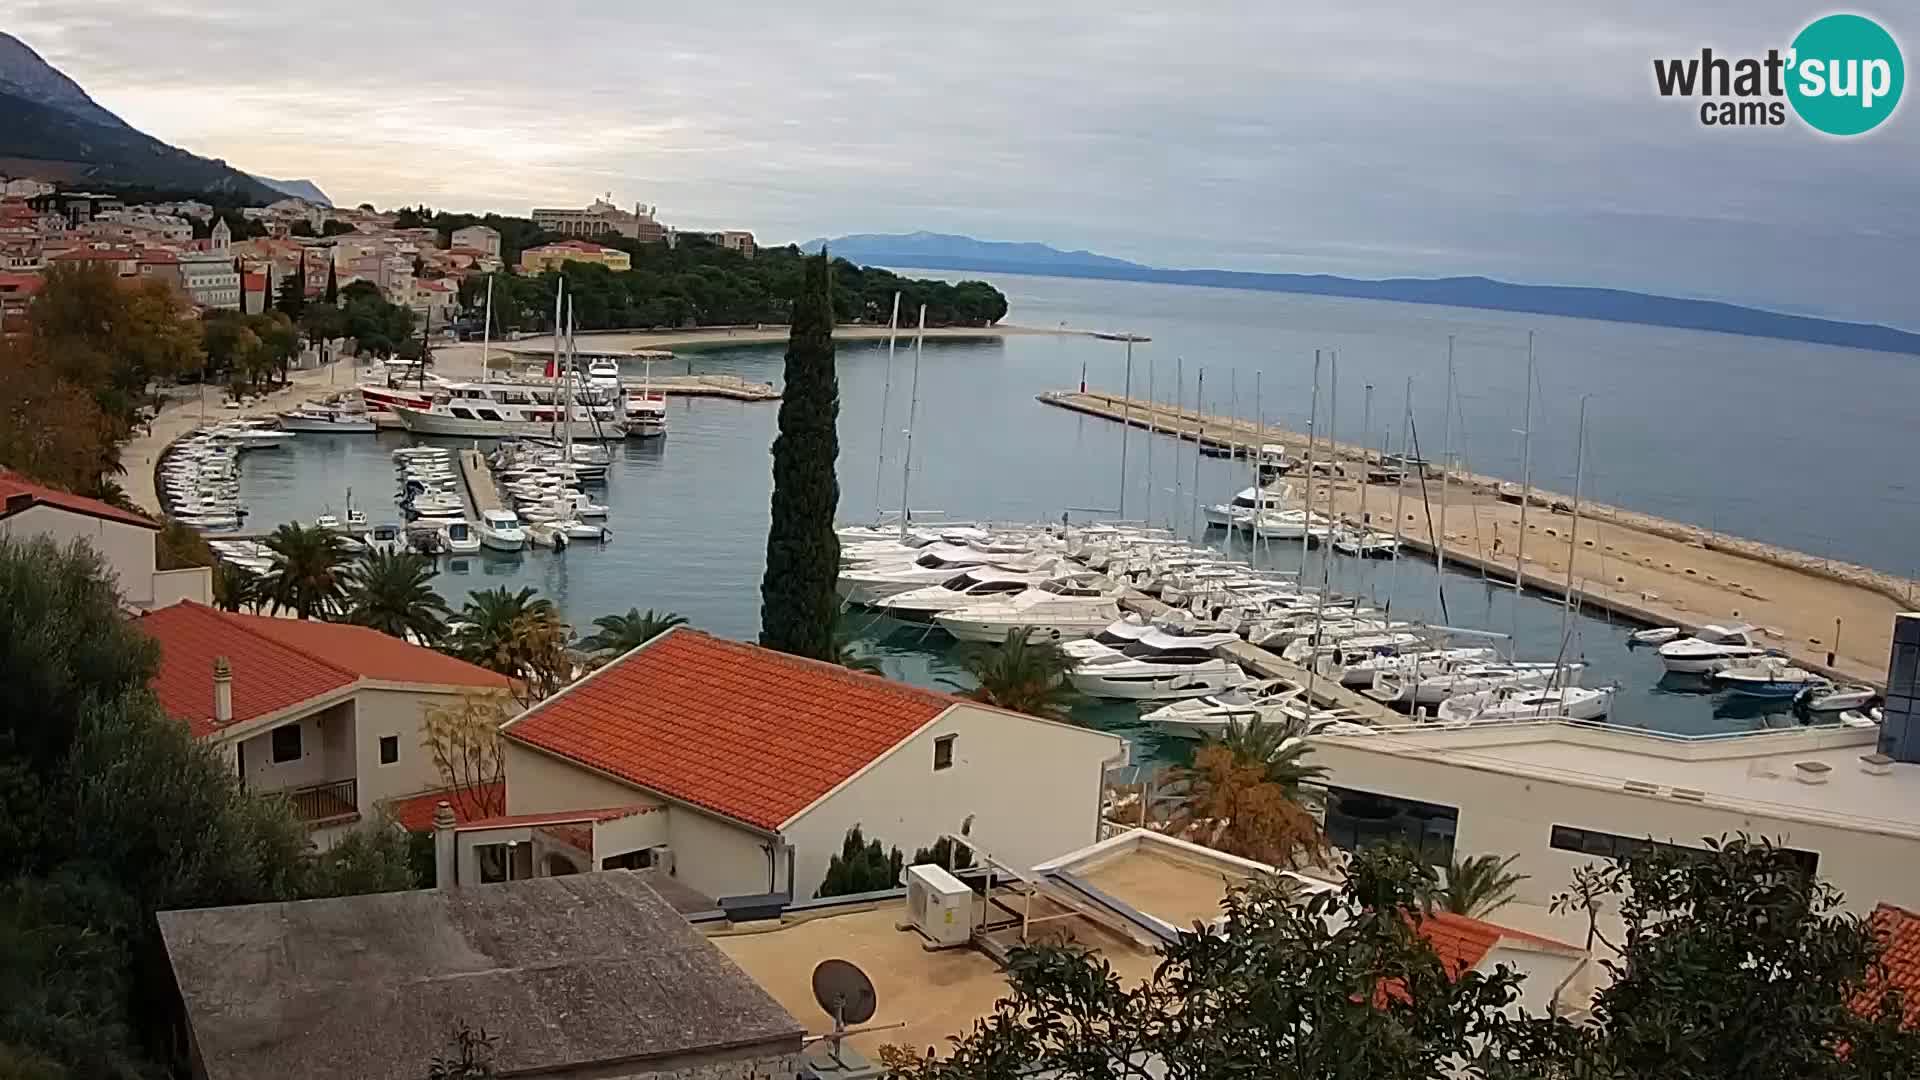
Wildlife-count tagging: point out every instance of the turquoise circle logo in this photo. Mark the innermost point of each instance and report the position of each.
(1846, 74)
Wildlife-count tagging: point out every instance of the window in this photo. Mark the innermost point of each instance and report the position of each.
(943, 752)
(1356, 819)
(1614, 846)
(632, 860)
(286, 743)
(511, 861)
(389, 749)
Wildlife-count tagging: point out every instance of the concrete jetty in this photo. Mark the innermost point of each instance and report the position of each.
(1830, 616)
(1327, 693)
(717, 386)
(481, 494)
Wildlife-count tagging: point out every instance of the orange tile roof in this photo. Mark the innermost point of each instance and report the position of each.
(1899, 932)
(561, 817)
(12, 484)
(745, 732)
(414, 813)
(1461, 942)
(279, 663)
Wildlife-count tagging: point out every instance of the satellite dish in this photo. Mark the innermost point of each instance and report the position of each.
(844, 991)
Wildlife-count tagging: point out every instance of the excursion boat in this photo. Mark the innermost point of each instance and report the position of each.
(1060, 609)
(382, 399)
(495, 410)
(1711, 649)
(1165, 663)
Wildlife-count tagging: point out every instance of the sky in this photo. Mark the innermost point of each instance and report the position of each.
(1519, 139)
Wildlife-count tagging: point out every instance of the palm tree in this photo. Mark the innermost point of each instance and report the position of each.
(1477, 886)
(1021, 675)
(1277, 748)
(235, 589)
(517, 634)
(306, 576)
(619, 634)
(392, 592)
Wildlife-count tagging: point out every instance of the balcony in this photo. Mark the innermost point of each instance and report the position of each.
(321, 804)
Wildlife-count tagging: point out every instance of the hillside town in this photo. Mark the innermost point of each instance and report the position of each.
(190, 246)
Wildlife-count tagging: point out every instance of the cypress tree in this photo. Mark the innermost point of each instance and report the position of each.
(333, 282)
(293, 291)
(241, 269)
(798, 604)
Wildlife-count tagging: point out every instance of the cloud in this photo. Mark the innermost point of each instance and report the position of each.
(1379, 138)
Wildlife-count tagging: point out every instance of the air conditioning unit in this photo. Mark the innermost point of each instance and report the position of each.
(662, 858)
(939, 906)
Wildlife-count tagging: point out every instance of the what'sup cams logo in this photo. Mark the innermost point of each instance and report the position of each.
(1842, 76)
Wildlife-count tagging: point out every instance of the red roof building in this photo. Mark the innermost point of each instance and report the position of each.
(327, 713)
(19, 493)
(122, 539)
(1899, 932)
(766, 760)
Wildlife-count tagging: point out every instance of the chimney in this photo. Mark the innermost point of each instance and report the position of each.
(445, 876)
(1811, 772)
(1876, 764)
(222, 691)
(1900, 717)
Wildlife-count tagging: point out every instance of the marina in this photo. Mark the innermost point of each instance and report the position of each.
(695, 501)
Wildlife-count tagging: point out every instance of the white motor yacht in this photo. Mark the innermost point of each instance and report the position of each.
(1526, 703)
(1059, 609)
(1200, 717)
(1357, 668)
(1454, 680)
(1238, 512)
(1712, 648)
(1117, 635)
(1163, 664)
(972, 586)
(460, 537)
(319, 417)
(493, 410)
(501, 530)
(934, 564)
(386, 539)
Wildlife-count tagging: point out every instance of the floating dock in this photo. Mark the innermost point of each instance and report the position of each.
(718, 386)
(478, 476)
(1829, 616)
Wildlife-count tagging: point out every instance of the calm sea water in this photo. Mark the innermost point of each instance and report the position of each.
(1790, 443)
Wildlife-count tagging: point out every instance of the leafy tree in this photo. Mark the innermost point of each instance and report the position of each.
(463, 740)
(518, 634)
(1235, 803)
(307, 576)
(619, 634)
(1736, 963)
(393, 593)
(109, 812)
(375, 859)
(861, 866)
(798, 603)
(110, 338)
(1478, 886)
(1022, 675)
(1337, 985)
(178, 546)
(52, 428)
(300, 228)
(380, 327)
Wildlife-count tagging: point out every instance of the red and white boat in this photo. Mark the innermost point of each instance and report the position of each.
(380, 400)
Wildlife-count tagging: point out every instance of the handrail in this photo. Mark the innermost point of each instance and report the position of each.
(319, 802)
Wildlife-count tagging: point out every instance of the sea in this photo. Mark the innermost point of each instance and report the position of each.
(1791, 443)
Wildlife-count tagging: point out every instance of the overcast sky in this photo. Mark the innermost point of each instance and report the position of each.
(1513, 138)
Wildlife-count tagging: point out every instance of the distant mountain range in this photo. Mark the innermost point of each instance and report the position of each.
(298, 189)
(51, 129)
(937, 251)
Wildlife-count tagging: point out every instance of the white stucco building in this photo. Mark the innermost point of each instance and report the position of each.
(325, 713)
(742, 769)
(1561, 794)
(123, 539)
(482, 238)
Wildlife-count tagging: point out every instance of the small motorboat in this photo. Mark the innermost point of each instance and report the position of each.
(1656, 635)
(460, 537)
(1709, 650)
(1822, 699)
(501, 530)
(1526, 703)
(1768, 678)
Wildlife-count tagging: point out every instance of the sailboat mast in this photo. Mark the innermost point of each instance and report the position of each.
(1152, 407)
(1573, 530)
(913, 409)
(1199, 443)
(1313, 416)
(1179, 399)
(1326, 557)
(1526, 476)
(1366, 433)
(1126, 422)
(486, 329)
(1259, 489)
(1446, 463)
(566, 409)
(886, 393)
(1400, 489)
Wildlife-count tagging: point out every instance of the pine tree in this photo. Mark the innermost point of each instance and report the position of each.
(333, 283)
(293, 291)
(241, 269)
(797, 599)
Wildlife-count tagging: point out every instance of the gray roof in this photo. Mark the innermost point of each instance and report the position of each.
(568, 971)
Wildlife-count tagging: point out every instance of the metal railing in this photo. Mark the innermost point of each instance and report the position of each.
(319, 802)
